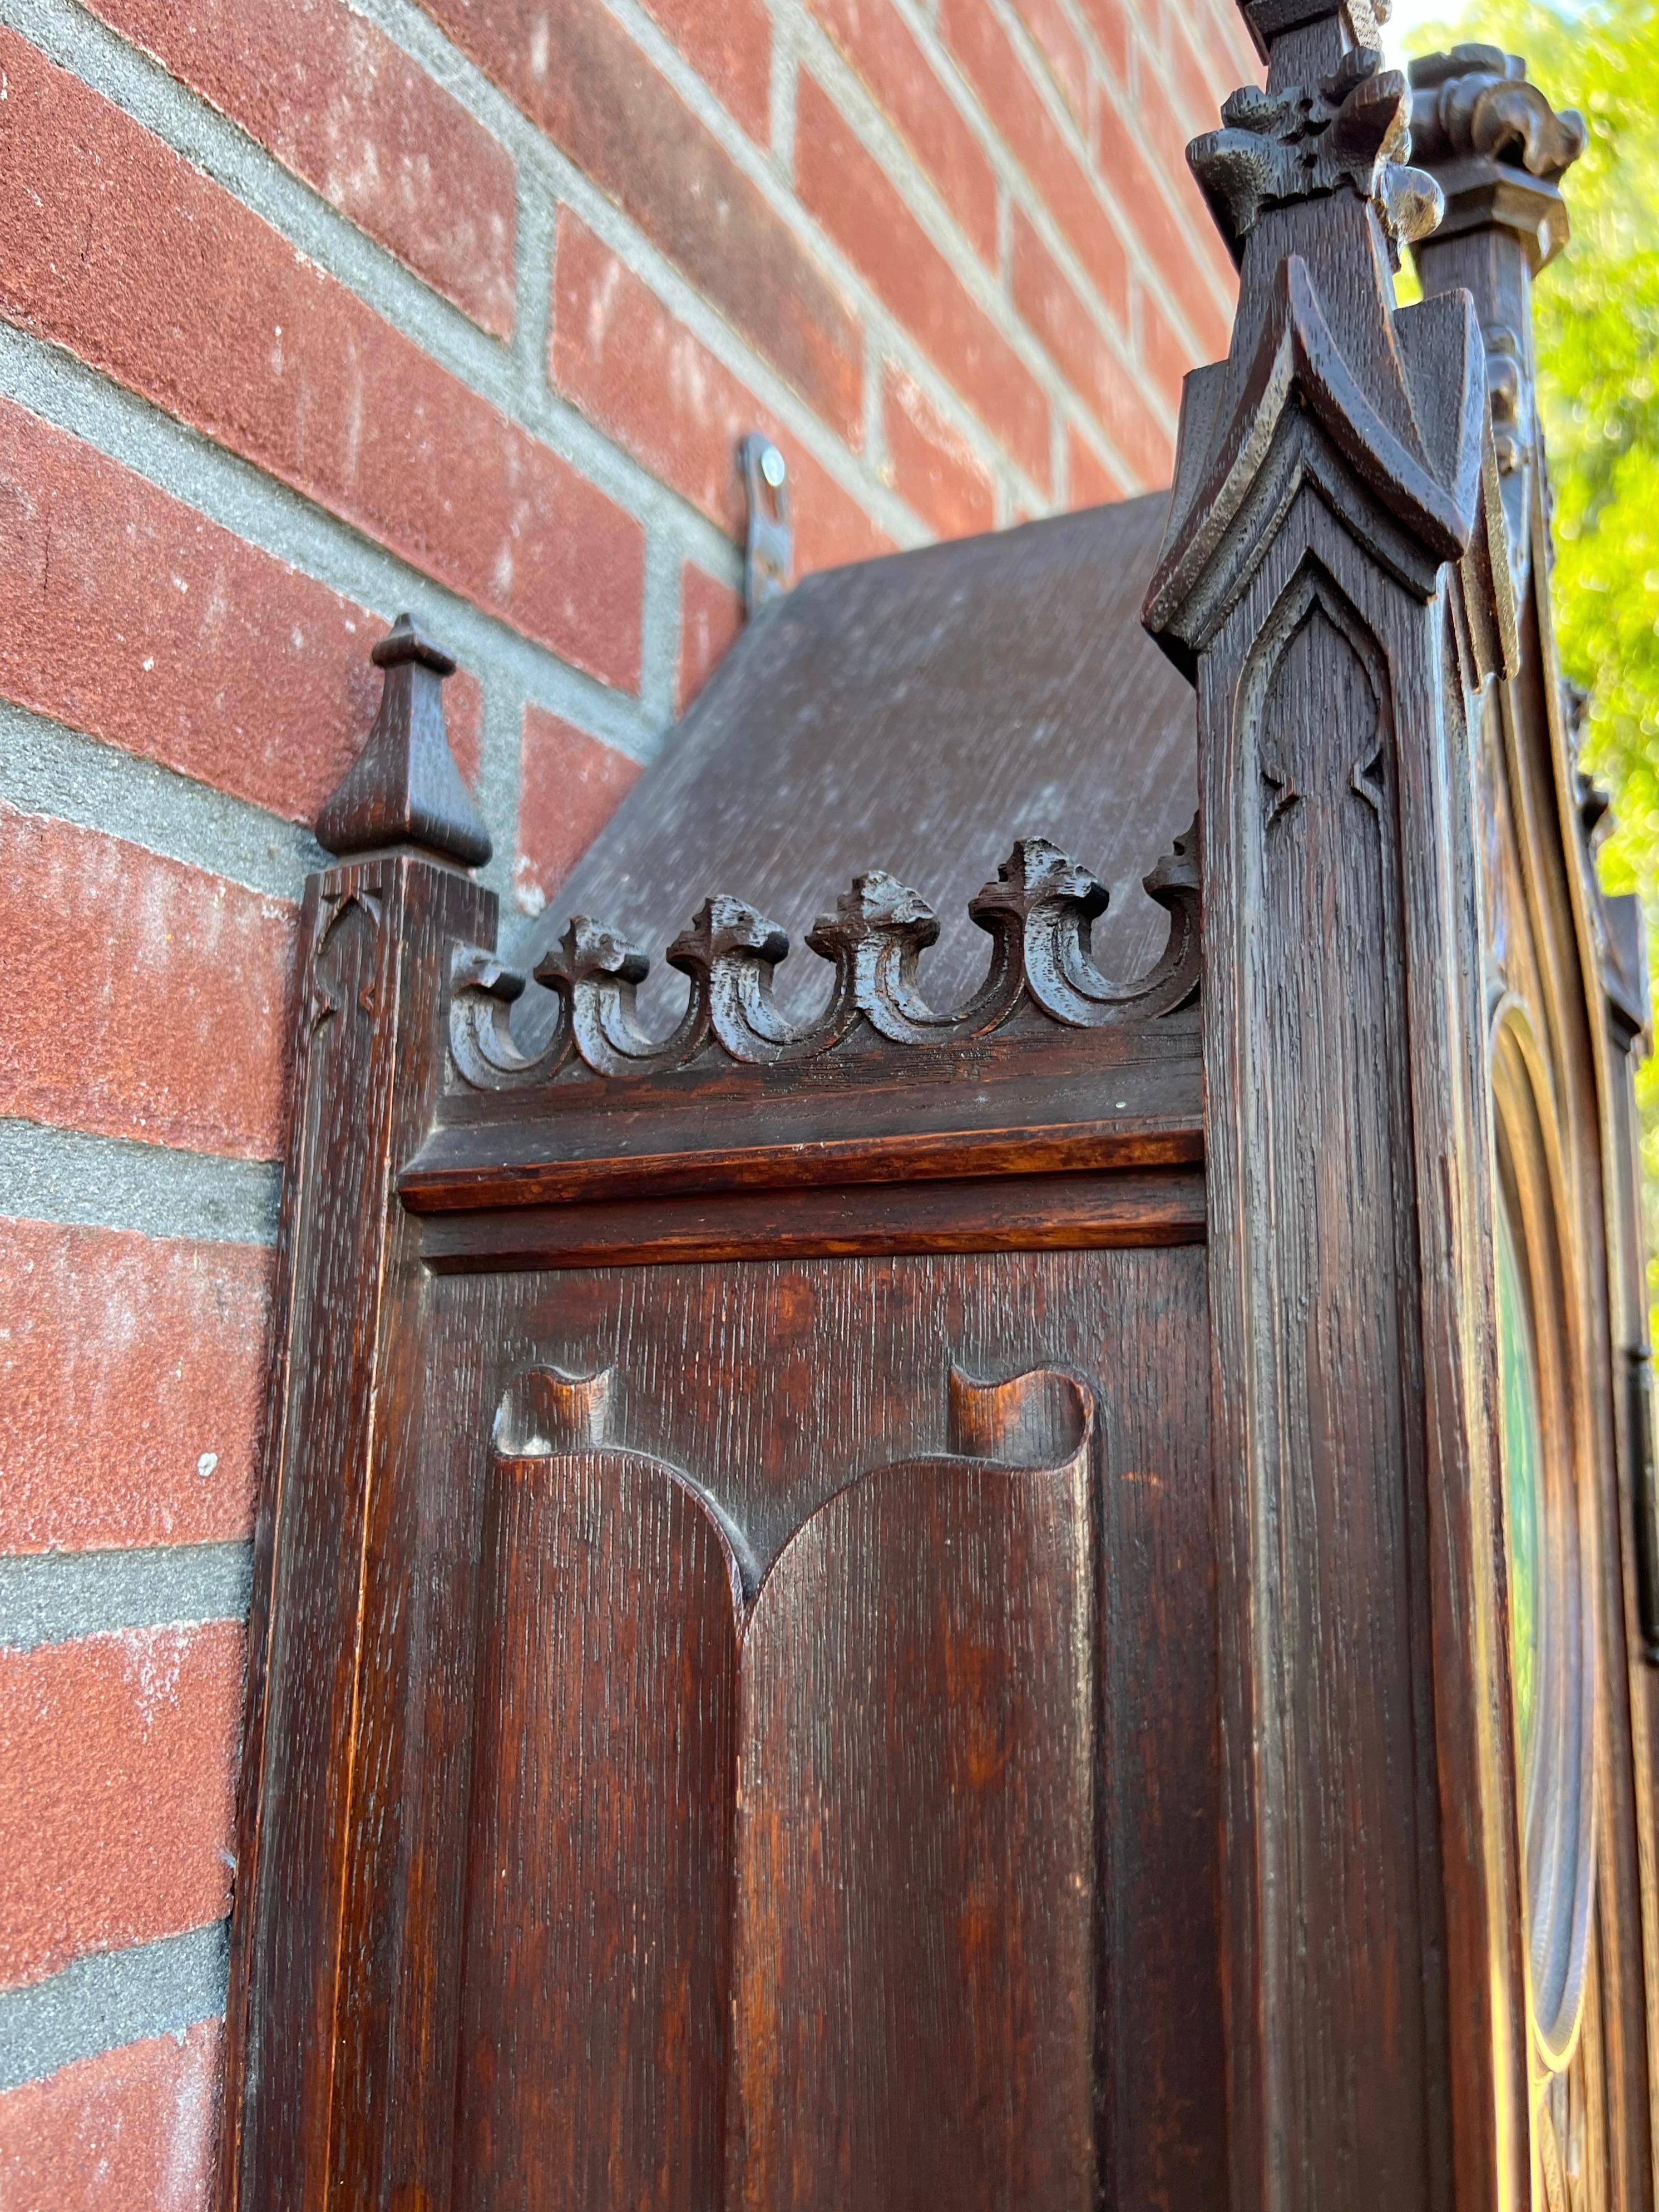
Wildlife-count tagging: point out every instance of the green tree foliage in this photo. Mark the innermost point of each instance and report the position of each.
(1597, 323)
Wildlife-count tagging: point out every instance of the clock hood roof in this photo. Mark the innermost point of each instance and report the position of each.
(917, 713)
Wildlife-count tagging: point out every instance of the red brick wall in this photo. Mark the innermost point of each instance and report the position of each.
(310, 310)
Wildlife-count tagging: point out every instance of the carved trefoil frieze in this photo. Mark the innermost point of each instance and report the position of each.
(1038, 913)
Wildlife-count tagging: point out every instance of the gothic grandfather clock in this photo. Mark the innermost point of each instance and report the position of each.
(994, 1546)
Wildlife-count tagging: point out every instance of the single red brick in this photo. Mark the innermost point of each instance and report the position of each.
(1016, 107)
(1063, 52)
(1091, 483)
(356, 118)
(902, 80)
(1150, 191)
(1236, 56)
(577, 74)
(134, 619)
(1167, 354)
(711, 614)
(864, 211)
(132, 1376)
(133, 2128)
(621, 357)
(1085, 357)
(113, 247)
(932, 467)
(729, 44)
(1202, 79)
(146, 999)
(1110, 20)
(1166, 134)
(119, 1754)
(569, 786)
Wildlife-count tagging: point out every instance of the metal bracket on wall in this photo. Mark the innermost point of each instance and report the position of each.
(768, 560)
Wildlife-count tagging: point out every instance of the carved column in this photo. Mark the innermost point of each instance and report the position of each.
(325, 1784)
(1499, 151)
(1335, 579)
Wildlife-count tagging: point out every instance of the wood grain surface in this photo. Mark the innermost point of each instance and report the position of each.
(1057, 1212)
(916, 1952)
(768, 1387)
(596, 1968)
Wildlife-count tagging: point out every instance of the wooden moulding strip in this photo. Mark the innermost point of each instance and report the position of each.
(1003, 1213)
(451, 1175)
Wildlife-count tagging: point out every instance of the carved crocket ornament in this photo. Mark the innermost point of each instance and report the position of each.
(1474, 106)
(1038, 913)
(1352, 130)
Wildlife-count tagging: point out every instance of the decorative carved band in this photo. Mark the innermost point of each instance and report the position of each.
(1039, 914)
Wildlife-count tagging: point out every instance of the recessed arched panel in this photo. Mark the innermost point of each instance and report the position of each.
(595, 1979)
(916, 1958)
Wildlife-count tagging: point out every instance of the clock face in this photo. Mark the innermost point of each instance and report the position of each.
(1551, 1659)
(1523, 1471)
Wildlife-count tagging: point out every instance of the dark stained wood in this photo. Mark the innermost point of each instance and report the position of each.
(301, 2104)
(916, 1950)
(367, 1083)
(404, 789)
(598, 1885)
(773, 1385)
(916, 715)
(1039, 912)
(1062, 1212)
(1023, 1101)
(1330, 576)
(1328, 1067)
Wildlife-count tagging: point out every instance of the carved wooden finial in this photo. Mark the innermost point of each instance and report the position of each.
(1311, 185)
(1499, 151)
(1352, 129)
(1300, 39)
(404, 789)
(1497, 147)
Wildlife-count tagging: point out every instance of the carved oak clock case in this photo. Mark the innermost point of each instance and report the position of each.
(987, 1539)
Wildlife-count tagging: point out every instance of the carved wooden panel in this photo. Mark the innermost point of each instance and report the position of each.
(1325, 1088)
(600, 1864)
(916, 1953)
(1067, 1606)
(786, 1896)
